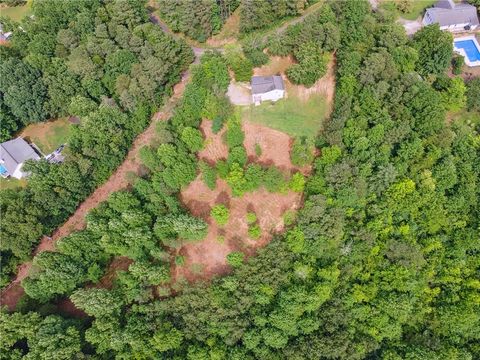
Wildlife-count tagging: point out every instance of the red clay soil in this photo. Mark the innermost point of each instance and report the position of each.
(207, 258)
(117, 181)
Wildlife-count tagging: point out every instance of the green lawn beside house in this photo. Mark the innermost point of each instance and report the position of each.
(48, 135)
(17, 13)
(291, 115)
(417, 8)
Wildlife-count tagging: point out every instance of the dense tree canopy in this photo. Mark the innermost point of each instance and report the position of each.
(106, 64)
(381, 263)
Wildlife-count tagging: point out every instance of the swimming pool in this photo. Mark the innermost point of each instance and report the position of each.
(3, 171)
(469, 48)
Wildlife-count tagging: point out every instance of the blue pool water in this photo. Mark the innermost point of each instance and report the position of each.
(470, 48)
(3, 171)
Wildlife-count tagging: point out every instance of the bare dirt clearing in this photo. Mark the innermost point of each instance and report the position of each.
(207, 258)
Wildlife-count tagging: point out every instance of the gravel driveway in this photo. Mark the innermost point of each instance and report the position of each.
(239, 93)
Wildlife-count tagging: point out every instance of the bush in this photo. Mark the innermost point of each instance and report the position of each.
(297, 182)
(235, 259)
(289, 217)
(234, 135)
(179, 260)
(302, 152)
(222, 169)
(236, 180)
(209, 175)
(258, 150)
(254, 232)
(237, 155)
(193, 138)
(273, 179)
(473, 95)
(457, 64)
(220, 214)
(251, 218)
(253, 177)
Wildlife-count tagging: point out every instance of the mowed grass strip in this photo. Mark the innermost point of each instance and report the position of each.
(48, 135)
(418, 7)
(291, 115)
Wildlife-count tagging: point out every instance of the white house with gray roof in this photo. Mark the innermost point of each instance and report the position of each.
(267, 88)
(13, 154)
(452, 17)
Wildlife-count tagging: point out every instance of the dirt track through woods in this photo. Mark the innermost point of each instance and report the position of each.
(117, 181)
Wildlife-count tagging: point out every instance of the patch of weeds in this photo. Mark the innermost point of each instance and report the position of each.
(254, 232)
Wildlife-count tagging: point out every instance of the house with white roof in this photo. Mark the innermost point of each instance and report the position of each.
(267, 88)
(13, 154)
(452, 17)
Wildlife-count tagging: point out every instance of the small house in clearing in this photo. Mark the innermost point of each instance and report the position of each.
(452, 17)
(13, 154)
(266, 88)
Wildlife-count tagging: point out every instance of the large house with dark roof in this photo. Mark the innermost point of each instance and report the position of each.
(452, 17)
(13, 154)
(267, 88)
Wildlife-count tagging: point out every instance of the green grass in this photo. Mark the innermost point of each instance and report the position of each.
(471, 118)
(291, 116)
(48, 135)
(17, 13)
(12, 183)
(418, 7)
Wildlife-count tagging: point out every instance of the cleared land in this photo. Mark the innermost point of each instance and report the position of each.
(207, 258)
(17, 13)
(303, 111)
(48, 135)
(117, 181)
(417, 8)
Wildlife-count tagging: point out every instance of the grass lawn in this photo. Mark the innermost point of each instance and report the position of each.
(291, 116)
(48, 135)
(12, 183)
(17, 13)
(471, 118)
(418, 6)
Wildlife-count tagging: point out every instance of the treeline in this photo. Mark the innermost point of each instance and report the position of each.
(146, 223)
(198, 20)
(258, 14)
(105, 64)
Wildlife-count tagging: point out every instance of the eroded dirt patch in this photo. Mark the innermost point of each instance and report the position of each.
(207, 258)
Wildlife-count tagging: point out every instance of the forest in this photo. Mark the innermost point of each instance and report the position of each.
(97, 62)
(382, 262)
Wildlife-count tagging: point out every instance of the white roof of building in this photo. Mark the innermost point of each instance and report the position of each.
(447, 13)
(15, 152)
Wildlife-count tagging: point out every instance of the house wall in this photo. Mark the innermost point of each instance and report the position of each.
(18, 174)
(273, 95)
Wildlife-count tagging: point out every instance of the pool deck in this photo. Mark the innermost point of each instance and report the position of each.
(462, 51)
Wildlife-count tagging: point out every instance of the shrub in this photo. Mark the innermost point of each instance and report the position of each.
(289, 217)
(251, 218)
(220, 239)
(237, 155)
(220, 214)
(297, 182)
(473, 95)
(235, 259)
(258, 150)
(234, 135)
(179, 260)
(253, 177)
(273, 179)
(222, 169)
(193, 138)
(457, 64)
(302, 152)
(236, 180)
(254, 232)
(209, 175)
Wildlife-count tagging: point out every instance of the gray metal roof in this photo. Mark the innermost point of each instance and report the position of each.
(445, 4)
(15, 152)
(264, 84)
(444, 15)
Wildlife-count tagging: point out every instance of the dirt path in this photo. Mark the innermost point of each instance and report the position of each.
(117, 181)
